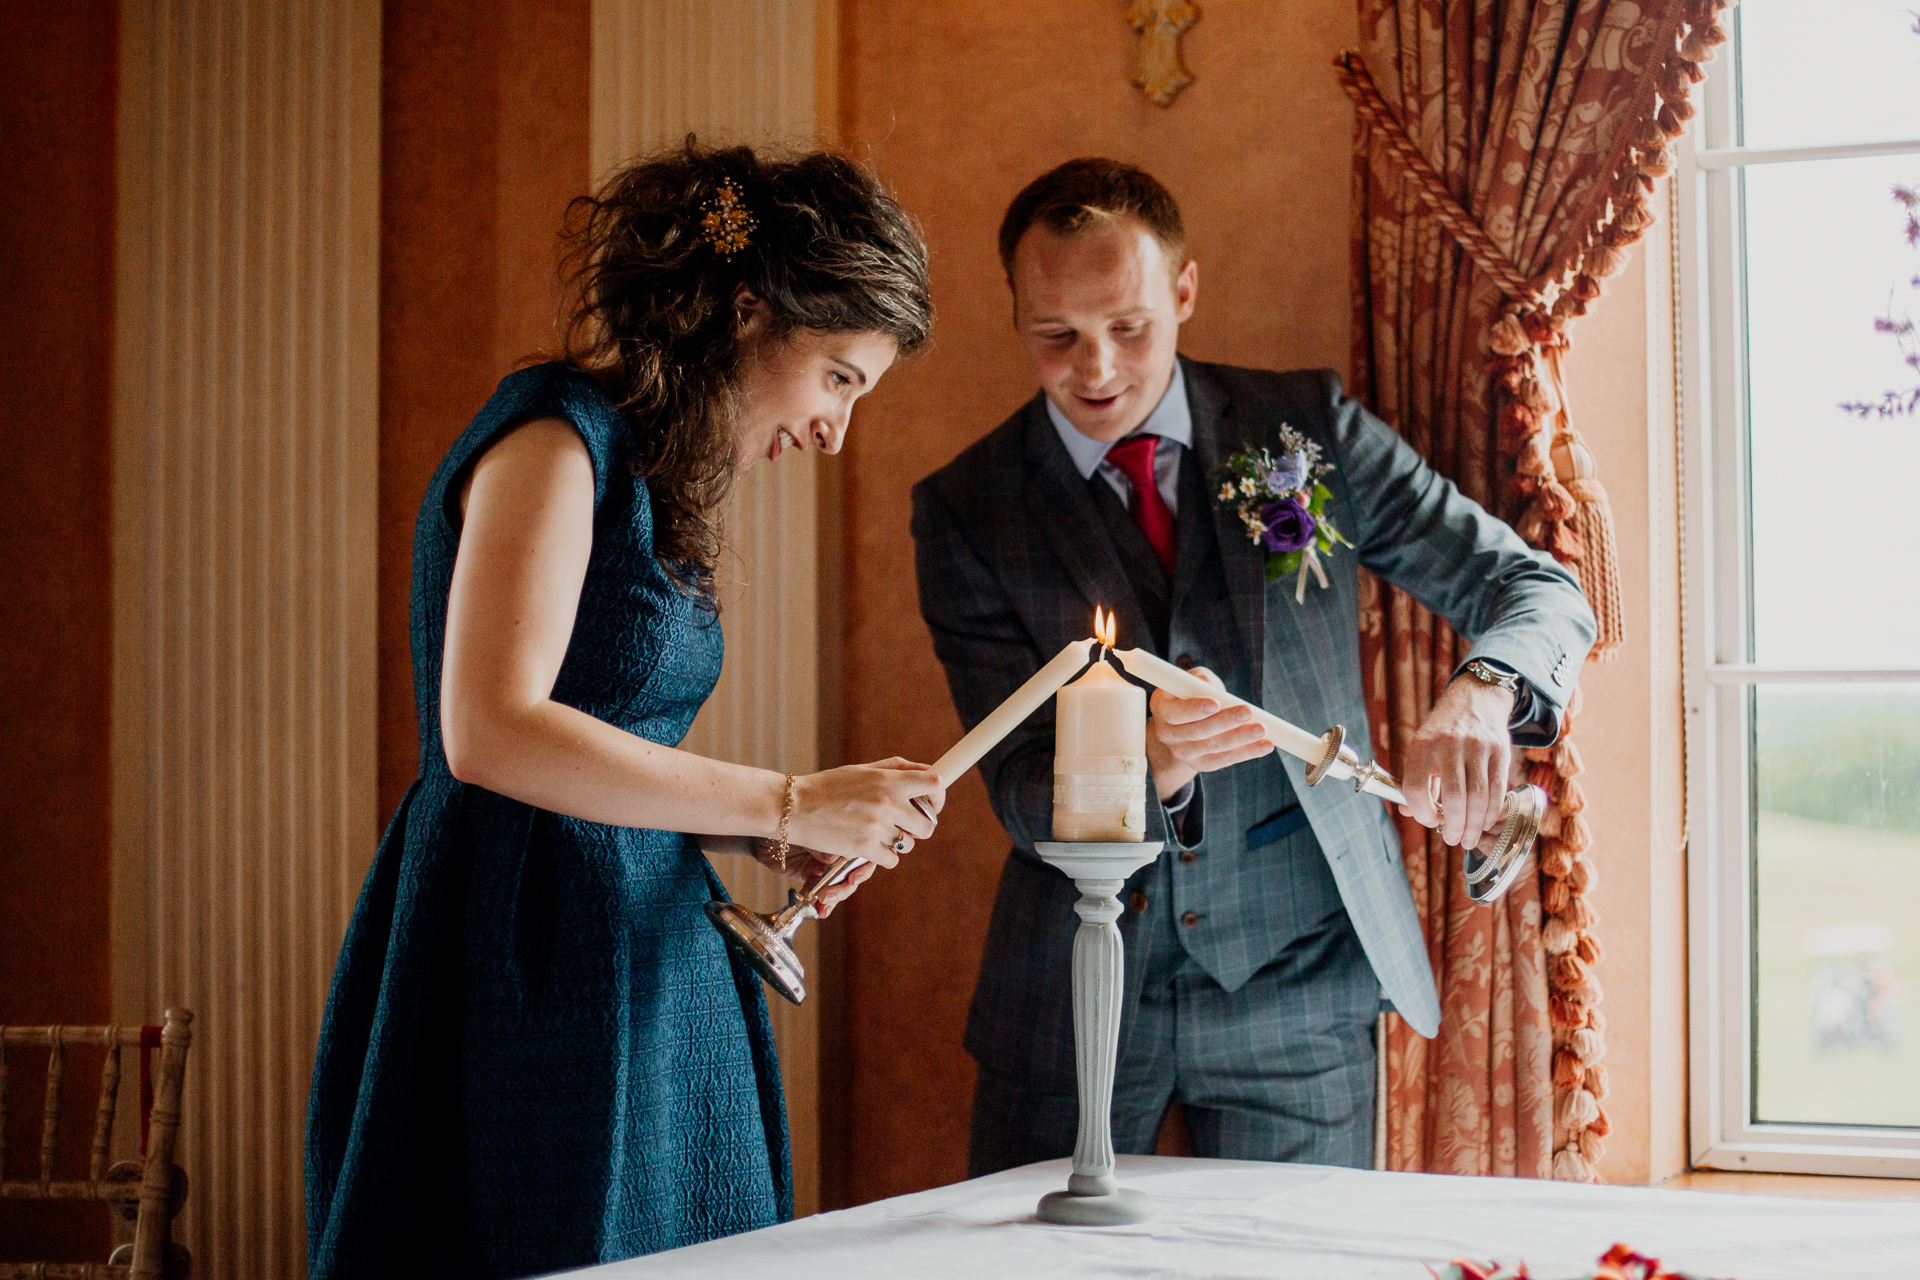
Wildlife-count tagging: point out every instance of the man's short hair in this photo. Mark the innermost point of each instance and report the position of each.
(1091, 192)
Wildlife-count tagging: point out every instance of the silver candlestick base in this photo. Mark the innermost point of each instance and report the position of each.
(1098, 870)
(766, 942)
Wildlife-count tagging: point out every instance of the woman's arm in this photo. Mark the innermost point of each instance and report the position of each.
(525, 541)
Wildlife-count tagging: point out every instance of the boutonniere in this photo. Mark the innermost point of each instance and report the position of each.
(1279, 495)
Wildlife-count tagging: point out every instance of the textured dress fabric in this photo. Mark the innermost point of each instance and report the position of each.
(537, 1053)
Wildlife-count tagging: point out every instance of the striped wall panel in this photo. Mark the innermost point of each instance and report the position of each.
(244, 490)
(742, 71)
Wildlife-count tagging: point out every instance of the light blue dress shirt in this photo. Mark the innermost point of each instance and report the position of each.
(1171, 420)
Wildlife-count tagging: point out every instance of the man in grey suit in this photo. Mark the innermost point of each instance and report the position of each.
(1261, 943)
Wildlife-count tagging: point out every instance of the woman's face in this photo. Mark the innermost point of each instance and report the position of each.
(797, 392)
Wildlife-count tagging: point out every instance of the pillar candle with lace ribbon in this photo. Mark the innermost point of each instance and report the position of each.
(1100, 756)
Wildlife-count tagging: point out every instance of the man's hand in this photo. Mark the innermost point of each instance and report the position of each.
(1189, 736)
(1464, 744)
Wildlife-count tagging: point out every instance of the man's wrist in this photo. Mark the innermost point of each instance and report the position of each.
(1493, 702)
(1521, 706)
(1169, 775)
(1169, 784)
(1177, 800)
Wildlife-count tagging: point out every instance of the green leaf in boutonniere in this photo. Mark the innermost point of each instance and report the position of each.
(1281, 565)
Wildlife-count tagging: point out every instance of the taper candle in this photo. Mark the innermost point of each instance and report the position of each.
(1162, 674)
(1007, 716)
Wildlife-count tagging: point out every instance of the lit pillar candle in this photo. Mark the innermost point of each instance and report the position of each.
(1100, 758)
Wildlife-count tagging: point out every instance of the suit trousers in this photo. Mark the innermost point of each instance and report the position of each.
(1280, 1069)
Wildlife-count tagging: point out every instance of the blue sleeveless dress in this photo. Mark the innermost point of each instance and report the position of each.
(537, 1053)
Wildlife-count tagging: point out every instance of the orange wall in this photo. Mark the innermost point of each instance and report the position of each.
(1620, 393)
(57, 105)
(483, 142)
(958, 105)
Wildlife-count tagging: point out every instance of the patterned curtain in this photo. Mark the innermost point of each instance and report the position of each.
(1505, 155)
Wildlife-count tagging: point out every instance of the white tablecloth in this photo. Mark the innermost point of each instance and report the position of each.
(1227, 1218)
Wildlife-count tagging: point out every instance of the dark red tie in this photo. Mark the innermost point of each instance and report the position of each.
(1134, 457)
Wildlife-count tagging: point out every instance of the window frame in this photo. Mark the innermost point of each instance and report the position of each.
(1711, 349)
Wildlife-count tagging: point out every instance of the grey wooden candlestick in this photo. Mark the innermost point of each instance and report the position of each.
(1092, 1197)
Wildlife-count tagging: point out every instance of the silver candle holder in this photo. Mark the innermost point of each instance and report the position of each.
(765, 942)
(1092, 1197)
(1489, 867)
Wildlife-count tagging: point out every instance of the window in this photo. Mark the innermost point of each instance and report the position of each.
(1804, 593)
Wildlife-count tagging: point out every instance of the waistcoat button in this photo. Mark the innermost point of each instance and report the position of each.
(1138, 902)
(1186, 856)
(1190, 919)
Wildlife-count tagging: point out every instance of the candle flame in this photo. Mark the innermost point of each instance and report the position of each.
(1105, 626)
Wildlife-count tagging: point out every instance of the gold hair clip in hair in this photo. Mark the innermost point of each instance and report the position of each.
(727, 221)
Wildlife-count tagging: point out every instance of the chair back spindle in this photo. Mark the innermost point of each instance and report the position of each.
(50, 1116)
(156, 1188)
(3, 1105)
(109, 1103)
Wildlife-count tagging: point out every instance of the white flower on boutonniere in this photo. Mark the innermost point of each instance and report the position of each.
(1280, 497)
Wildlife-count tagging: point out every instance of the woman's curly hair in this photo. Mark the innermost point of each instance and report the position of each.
(650, 306)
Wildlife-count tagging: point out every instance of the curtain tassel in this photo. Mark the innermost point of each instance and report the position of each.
(1599, 562)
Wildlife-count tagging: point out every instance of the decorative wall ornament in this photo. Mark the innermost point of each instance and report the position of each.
(1161, 23)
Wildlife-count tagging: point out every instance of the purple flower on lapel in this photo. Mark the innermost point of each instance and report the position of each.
(1288, 474)
(1289, 525)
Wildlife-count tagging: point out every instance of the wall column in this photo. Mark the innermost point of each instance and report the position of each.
(744, 71)
(243, 574)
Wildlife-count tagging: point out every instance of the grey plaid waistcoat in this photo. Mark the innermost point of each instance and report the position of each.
(1013, 551)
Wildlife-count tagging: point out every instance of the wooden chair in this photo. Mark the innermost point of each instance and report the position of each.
(149, 1193)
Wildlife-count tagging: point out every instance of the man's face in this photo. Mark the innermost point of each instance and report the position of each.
(1099, 314)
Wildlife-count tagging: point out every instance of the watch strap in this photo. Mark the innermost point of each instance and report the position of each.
(1486, 673)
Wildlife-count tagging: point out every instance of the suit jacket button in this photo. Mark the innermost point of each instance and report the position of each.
(1190, 919)
(1187, 856)
(1185, 662)
(1138, 903)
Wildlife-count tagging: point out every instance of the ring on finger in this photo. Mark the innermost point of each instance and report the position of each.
(902, 842)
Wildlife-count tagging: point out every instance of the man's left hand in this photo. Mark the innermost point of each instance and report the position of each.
(1465, 745)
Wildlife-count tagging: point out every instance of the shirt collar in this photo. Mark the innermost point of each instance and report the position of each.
(1171, 419)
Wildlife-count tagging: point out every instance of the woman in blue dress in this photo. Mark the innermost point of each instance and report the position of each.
(537, 1053)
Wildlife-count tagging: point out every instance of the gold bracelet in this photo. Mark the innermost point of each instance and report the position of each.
(786, 816)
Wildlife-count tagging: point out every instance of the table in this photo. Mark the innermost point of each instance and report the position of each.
(1244, 1219)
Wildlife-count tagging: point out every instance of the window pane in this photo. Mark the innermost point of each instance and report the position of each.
(1835, 71)
(1837, 904)
(1834, 509)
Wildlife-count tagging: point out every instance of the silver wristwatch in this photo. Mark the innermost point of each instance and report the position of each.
(1486, 673)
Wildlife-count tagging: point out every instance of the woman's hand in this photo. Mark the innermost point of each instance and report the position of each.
(804, 865)
(861, 810)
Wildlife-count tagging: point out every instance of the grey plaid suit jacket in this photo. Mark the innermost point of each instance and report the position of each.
(1013, 551)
